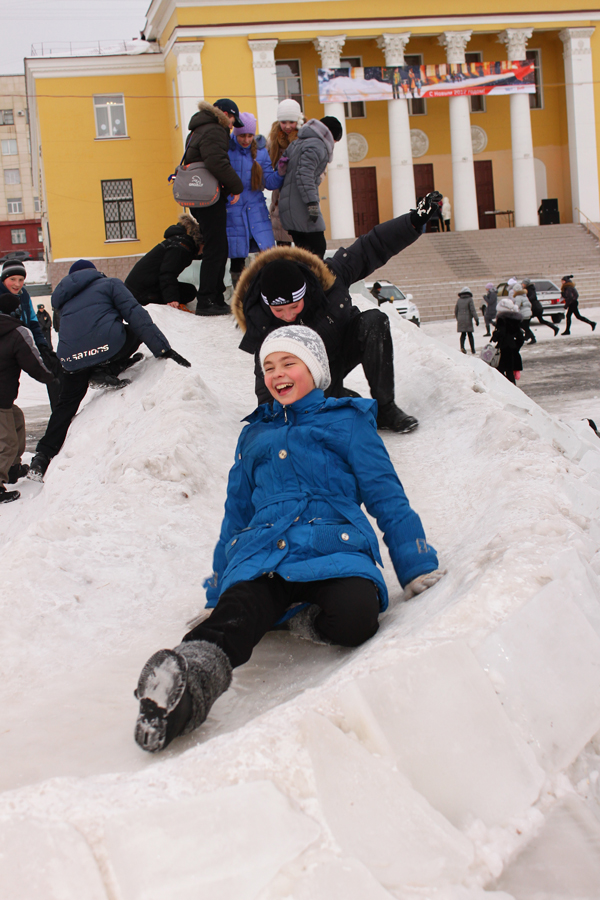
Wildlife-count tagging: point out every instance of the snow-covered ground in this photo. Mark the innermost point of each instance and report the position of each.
(458, 750)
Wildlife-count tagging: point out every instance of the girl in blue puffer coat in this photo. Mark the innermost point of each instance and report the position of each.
(248, 223)
(295, 544)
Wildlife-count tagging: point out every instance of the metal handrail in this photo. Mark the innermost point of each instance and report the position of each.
(590, 227)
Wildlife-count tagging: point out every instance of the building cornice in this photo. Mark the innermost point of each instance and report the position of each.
(491, 21)
(78, 66)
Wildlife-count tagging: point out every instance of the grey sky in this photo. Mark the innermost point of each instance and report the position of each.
(27, 22)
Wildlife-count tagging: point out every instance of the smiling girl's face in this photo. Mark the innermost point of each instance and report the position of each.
(287, 377)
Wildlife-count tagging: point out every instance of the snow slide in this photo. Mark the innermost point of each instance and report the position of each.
(456, 751)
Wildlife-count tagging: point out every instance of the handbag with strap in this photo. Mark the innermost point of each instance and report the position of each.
(491, 355)
(193, 185)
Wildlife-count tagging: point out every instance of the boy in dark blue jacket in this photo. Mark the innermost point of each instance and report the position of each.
(294, 540)
(94, 346)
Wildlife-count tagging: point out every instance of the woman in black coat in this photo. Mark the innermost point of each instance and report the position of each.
(537, 310)
(509, 336)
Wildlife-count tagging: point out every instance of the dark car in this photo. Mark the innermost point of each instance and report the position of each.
(19, 255)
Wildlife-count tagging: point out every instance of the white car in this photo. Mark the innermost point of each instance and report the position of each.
(403, 303)
(548, 294)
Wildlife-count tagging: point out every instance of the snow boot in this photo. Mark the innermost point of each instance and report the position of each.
(100, 380)
(38, 466)
(302, 624)
(176, 691)
(128, 363)
(8, 496)
(212, 309)
(19, 470)
(392, 417)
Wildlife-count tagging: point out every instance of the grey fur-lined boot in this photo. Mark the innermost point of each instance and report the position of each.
(176, 690)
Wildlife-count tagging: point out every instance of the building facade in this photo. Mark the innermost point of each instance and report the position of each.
(20, 226)
(108, 130)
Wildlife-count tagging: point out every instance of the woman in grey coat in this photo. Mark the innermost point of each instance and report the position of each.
(464, 312)
(309, 156)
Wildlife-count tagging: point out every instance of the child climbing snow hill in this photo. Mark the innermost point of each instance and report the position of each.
(294, 540)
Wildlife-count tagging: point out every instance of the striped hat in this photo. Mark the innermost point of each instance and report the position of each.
(304, 343)
(282, 282)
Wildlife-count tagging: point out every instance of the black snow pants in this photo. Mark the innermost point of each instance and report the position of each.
(311, 240)
(573, 310)
(213, 225)
(73, 388)
(246, 611)
(367, 342)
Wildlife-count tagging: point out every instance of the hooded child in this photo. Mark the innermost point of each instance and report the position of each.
(295, 545)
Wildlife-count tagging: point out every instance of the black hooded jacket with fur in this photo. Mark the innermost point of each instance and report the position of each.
(327, 304)
(153, 279)
(209, 143)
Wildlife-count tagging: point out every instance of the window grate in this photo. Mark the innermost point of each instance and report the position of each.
(119, 211)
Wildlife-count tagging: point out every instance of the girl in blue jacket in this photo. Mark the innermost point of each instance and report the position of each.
(294, 540)
(248, 222)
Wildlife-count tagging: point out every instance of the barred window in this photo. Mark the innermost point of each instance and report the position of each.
(356, 108)
(289, 79)
(418, 106)
(7, 117)
(15, 205)
(119, 213)
(18, 236)
(536, 101)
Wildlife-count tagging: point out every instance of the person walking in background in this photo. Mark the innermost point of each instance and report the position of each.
(154, 278)
(488, 307)
(508, 334)
(248, 224)
(521, 301)
(537, 310)
(570, 295)
(446, 214)
(283, 132)
(299, 207)
(45, 323)
(464, 312)
(209, 143)
(95, 346)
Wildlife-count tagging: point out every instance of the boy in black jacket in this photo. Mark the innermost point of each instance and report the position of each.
(153, 279)
(17, 352)
(290, 285)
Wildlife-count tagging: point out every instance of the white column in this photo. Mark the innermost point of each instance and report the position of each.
(525, 196)
(341, 212)
(463, 172)
(190, 85)
(583, 155)
(265, 83)
(403, 179)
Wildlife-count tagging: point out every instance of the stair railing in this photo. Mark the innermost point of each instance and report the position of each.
(589, 226)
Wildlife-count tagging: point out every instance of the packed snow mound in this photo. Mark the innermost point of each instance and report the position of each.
(456, 750)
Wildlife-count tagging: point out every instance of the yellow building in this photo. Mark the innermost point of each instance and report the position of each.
(107, 129)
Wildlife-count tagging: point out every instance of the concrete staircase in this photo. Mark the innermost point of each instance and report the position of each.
(437, 266)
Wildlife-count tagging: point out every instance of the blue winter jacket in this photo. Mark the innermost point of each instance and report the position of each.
(249, 217)
(27, 316)
(294, 500)
(92, 309)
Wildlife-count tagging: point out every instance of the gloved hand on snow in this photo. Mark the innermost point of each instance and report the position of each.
(172, 354)
(210, 586)
(282, 165)
(313, 211)
(425, 209)
(420, 584)
(51, 361)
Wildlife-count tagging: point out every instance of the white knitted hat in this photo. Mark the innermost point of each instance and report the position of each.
(289, 111)
(304, 343)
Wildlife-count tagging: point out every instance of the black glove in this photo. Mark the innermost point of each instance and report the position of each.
(171, 354)
(51, 361)
(425, 209)
(313, 211)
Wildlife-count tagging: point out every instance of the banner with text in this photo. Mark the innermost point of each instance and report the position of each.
(420, 82)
